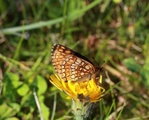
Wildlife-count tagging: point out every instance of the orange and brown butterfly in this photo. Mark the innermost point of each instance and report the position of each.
(72, 66)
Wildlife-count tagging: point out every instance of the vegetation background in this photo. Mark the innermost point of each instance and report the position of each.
(113, 31)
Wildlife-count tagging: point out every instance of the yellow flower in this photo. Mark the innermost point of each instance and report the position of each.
(85, 91)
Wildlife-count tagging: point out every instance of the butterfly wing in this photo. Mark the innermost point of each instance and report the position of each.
(70, 65)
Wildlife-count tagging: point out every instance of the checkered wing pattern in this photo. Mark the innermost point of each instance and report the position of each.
(70, 65)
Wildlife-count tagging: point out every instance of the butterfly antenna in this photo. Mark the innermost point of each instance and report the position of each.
(101, 64)
(95, 61)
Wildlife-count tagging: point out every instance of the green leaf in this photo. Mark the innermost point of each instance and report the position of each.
(15, 106)
(41, 84)
(145, 74)
(23, 89)
(12, 76)
(12, 118)
(28, 101)
(131, 64)
(11, 81)
(8, 111)
(117, 1)
(45, 110)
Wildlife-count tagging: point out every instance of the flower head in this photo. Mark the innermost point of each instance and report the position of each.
(85, 91)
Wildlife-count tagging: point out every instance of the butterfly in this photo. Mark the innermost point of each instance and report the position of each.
(72, 66)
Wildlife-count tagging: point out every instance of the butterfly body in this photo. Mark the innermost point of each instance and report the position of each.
(70, 65)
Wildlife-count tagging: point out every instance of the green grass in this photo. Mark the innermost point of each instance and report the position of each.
(116, 33)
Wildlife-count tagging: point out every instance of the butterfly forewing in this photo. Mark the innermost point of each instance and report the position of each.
(70, 65)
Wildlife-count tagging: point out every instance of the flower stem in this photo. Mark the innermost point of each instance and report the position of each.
(81, 109)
